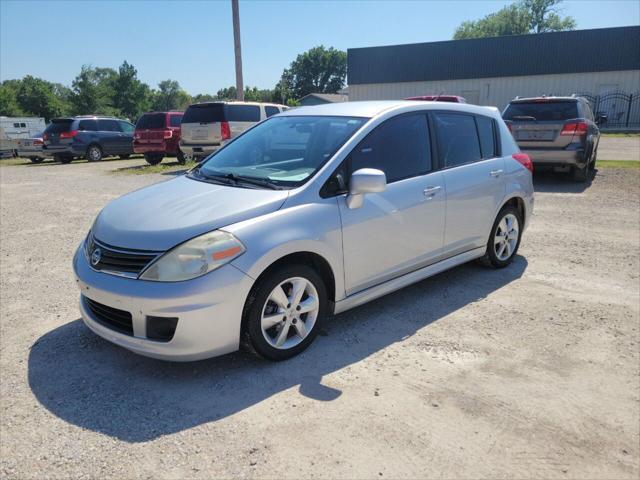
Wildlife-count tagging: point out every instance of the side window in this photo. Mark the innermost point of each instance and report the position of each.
(487, 137)
(587, 111)
(87, 125)
(126, 127)
(269, 110)
(457, 139)
(243, 113)
(23, 125)
(399, 147)
(108, 126)
(16, 125)
(175, 120)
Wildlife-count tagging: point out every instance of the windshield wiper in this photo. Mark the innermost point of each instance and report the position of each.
(524, 117)
(260, 182)
(219, 179)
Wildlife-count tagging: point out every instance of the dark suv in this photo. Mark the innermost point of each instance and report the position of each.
(556, 132)
(157, 135)
(90, 137)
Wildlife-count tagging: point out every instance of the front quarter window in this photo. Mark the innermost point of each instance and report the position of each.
(285, 151)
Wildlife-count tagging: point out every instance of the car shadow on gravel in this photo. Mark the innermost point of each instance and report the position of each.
(96, 385)
(547, 181)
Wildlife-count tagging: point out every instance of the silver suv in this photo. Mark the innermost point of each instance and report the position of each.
(556, 132)
(207, 126)
(312, 212)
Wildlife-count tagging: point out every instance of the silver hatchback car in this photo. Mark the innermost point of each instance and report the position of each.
(312, 212)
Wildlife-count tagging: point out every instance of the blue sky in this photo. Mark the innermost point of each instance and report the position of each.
(192, 41)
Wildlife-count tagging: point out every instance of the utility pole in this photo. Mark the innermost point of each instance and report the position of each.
(236, 44)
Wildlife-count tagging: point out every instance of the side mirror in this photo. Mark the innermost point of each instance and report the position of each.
(365, 180)
(601, 119)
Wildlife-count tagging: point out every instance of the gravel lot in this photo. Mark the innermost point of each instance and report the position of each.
(532, 371)
(619, 148)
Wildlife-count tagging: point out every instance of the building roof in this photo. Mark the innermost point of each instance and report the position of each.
(596, 50)
(369, 109)
(327, 97)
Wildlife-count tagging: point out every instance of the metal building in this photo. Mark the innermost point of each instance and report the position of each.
(602, 63)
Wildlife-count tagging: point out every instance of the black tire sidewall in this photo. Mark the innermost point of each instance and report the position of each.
(252, 315)
(182, 159)
(89, 156)
(491, 256)
(152, 158)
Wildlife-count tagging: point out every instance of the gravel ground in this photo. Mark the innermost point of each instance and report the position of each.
(619, 148)
(531, 371)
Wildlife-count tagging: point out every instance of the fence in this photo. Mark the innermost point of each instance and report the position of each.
(622, 109)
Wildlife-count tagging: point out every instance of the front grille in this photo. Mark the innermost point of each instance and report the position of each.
(110, 317)
(119, 261)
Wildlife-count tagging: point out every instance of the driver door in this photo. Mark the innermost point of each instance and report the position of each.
(400, 229)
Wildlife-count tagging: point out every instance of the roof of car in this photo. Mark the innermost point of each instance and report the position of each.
(370, 109)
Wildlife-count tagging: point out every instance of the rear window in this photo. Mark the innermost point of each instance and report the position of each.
(175, 120)
(457, 139)
(487, 137)
(243, 113)
(59, 126)
(153, 120)
(541, 111)
(204, 113)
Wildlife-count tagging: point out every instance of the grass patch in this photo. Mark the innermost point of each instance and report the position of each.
(618, 164)
(168, 165)
(621, 135)
(10, 162)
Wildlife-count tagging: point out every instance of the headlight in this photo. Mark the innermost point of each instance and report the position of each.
(195, 257)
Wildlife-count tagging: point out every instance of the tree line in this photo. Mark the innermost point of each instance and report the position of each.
(107, 91)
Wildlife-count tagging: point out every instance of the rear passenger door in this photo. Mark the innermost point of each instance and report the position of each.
(469, 156)
(241, 117)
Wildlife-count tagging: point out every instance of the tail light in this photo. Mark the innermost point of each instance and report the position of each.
(37, 141)
(69, 134)
(167, 134)
(524, 160)
(225, 131)
(575, 128)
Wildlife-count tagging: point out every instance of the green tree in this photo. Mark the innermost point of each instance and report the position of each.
(523, 17)
(170, 96)
(203, 97)
(130, 96)
(8, 98)
(318, 70)
(36, 97)
(93, 91)
(227, 93)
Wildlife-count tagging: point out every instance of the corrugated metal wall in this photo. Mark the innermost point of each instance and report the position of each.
(499, 91)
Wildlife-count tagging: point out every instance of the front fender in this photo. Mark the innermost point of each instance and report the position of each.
(313, 228)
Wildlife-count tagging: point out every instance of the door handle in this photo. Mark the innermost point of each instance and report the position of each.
(495, 173)
(429, 192)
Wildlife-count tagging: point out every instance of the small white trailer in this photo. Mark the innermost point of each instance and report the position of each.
(14, 128)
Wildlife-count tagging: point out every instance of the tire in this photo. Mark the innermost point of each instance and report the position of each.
(153, 158)
(36, 159)
(63, 158)
(580, 174)
(124, 157)
(495, 257)
(302, 328)
(181, 157)
(94, 153)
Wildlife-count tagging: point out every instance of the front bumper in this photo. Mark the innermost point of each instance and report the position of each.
(209, 310)
(556, 158)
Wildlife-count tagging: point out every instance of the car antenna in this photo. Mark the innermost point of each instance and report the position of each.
(438, 96)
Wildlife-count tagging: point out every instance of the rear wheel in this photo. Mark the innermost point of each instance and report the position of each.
(36, 159)
(504, 239)
(153, 158)
(284, 312)
(580, 174)
(94, 153)
(182, 159)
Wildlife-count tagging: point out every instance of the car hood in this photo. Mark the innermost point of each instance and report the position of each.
(163, 215)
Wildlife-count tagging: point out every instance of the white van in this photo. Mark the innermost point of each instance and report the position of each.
(206, 126)
(14, 128)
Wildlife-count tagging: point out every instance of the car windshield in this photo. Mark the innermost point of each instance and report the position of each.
(282, 151)
(541, 111)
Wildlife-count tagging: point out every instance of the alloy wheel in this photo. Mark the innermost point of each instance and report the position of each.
(506, 237)
(290, 313)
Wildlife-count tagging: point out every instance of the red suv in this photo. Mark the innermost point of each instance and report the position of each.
(157, 135)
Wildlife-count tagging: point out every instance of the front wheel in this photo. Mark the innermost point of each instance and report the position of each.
(284, 312)
(504, 239)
